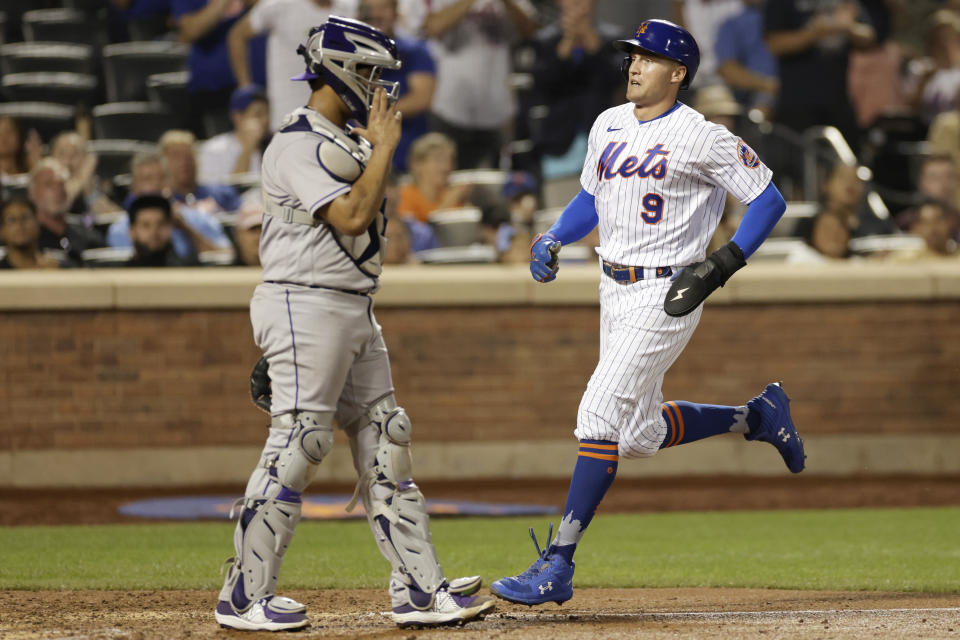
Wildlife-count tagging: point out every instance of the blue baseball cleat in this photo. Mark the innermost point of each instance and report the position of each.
(776, 426)
(549, 579)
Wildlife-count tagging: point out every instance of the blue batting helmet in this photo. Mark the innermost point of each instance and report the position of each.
(348, 55)
(665, 39)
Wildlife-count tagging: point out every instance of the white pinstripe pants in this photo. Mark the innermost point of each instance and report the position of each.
(638, 343)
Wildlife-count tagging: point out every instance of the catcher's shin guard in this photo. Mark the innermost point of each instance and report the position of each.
(271, 508)
(395, 506)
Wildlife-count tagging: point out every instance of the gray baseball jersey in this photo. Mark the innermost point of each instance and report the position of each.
(308, 163)
(659, 189)
(318, 332)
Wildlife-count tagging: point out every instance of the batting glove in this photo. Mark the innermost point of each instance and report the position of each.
(544, 262)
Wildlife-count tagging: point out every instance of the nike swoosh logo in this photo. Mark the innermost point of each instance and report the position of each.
(612, 129)
(679, 294)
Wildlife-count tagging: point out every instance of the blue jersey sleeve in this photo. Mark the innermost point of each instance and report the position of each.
(761, 216)
(727, 40)
(577, 220)
(420, 60)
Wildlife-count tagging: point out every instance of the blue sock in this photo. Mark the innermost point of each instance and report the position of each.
(593, 474)
(689, 422)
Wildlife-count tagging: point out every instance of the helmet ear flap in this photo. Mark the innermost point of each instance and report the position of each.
(625, 67)
(304, 50)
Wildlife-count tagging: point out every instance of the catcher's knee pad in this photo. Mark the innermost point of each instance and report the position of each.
(311, 438)
(395, 506)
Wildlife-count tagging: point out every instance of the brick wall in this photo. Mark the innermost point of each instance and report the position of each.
(74, 379)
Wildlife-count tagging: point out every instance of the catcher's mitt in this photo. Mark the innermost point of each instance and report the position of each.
(260, 385)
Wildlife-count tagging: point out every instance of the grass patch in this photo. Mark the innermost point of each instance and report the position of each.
(857, 549)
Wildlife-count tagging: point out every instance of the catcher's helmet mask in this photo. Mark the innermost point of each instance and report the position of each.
(665, 39)
(348, 55)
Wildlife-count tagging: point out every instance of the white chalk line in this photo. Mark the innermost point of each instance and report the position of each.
(661, 616)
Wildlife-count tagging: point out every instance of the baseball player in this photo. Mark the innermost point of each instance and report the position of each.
(321, 249)
(654, 180)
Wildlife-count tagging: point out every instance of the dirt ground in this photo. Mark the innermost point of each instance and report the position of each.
(592, 613)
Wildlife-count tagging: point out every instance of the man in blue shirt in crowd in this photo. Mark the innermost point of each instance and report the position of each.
(204, 24)
(417, 76)
(744, 60)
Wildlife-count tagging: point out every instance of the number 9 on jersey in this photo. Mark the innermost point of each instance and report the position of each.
(652, 208)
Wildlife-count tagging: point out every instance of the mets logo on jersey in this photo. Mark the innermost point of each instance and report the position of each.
(747, 156)
(653, 165)
(641, 29)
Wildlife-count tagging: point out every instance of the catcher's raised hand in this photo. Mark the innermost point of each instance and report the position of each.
(696, 282)
(383, 122)
(544, 262)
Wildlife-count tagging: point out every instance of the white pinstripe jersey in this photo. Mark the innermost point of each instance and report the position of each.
(660, 185)
(295, 175)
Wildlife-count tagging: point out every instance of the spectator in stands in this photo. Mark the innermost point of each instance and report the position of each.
(238, 152)
(718, 105)
(195, 230)
(576, 74)
(17, 155)
(148, 172)
(204, 25)
(20, 232)
(830, 231)
(417, 76)
(246, 234)
(398, 250)
(876, 83)
(284, 23)
(48, 193)
(939, 226)
(938, 180)
(829, 236)
(420, 235)
(744, 61)
(432, 159)
(702, 18)
(935, 80)
(151, 225)
(473, 103)
(944, 139)
(179, 152)
(812, 42)
(83, 191)
(514, 239)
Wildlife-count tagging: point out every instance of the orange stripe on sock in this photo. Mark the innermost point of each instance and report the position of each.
(672, 425)
(608, 447)
(674, 406)
(599, 456)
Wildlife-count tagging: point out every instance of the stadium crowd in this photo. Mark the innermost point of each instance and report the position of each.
(131, 130)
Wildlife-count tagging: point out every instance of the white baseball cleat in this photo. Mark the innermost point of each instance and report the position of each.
(273, 613)
(445, 608)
